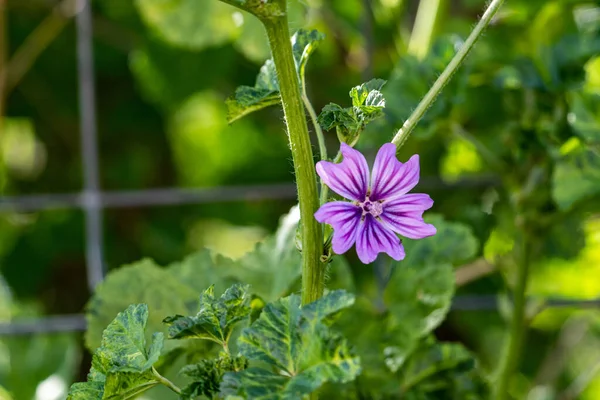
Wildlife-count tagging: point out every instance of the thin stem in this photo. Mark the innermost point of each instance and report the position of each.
(324, 188)
(316, 126)
(34, 45)
(313, 270)
(320, 140)
(165, 381)
(510, 359)
(424, 28)
(404, 132)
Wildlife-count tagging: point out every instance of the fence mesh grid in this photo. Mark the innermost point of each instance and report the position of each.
(93, 201)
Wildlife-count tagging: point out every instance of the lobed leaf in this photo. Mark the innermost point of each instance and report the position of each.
(296, 343)
(367, 105)
(265, 91)
(121, 366)
(207, 375)
(216, 318)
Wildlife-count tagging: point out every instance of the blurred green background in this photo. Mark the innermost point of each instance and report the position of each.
(527, 99)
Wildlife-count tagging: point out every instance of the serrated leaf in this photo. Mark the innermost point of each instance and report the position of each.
(217, 317)
(121, 366)
(576, 177)
(86, 391)
(123, 347)
(367, 105)
(207, 375)
(127, 385)
(265, 92)
(296, 342)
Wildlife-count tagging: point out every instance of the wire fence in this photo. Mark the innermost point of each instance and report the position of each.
(93, 201)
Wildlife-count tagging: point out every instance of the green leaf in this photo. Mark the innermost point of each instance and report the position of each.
(454, 243)
(123, 346)
(367, 105)
(584, 115)
(141, 282)
(417, 297)
(125, 385)
(217, 317)
(121, 367)
(296, 343)
(265, 91)
(422, 285)
(189, 24)
(86, 391)
(442, 371)
(276, 257)
(576, 177)
(208, 374)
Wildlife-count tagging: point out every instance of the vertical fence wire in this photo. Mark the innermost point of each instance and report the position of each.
(89, 145)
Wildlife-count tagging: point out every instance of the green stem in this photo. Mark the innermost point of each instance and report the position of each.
(510, 359)
(306, 179)
(428, 15)
(317, 127)
(404, 132)
(165, 381)
(320, 140)
(324, 188)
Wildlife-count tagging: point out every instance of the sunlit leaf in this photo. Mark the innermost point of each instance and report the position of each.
(189, 23)
(216, 318)
(367, 105)
(121, 366)
(576, 177)
(123, 347)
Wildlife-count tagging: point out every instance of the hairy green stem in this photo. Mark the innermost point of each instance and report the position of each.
(404, 132)
(313, 270)
(165, 381)
(421, 37)
(518, 325)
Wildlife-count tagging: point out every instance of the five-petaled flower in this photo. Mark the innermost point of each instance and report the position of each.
(380, 207)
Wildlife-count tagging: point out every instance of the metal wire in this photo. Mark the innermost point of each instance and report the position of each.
(77, 322)
(92, 200)
(89, 148)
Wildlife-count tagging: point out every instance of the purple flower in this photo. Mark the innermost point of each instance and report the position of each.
(380, 207)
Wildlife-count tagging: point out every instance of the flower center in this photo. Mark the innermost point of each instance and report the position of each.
(375, 208)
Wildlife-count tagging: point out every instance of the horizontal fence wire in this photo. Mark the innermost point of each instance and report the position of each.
(180, 196)
(77, 323)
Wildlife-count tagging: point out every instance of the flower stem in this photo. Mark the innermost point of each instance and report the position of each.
(312, 236)
(421, 37)
(165, 381)
(512, 351)
(404, 132)
(320, 139)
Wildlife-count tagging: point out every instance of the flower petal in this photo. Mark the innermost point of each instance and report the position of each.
(350, 178)
(391, 178)
(374, 238)
(344, 217)
(404, 215)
